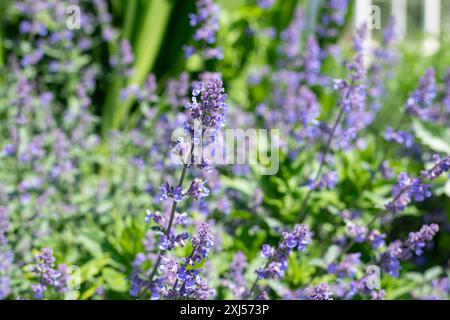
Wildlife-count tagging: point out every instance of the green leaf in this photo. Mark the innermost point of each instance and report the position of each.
(91, 243)
(432, 141)
(433, 273)
(115, 280)
(92, 268)
(331, 254)
(447, 189)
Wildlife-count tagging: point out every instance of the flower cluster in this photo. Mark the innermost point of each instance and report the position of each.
(44, 270)
(210, 108)
(364, 286)
(278, 258)
(381, 69)
(401, 137)
(235, 280)
(6, 256)
(417, 240)
(360, 233)
(398, 250)
(408, 189)
(422, 98)
(179, 279)
(352, 97)
(292, 36)
(4, 225)
(332, 19)
(265, 4)
(189, 283)
(346, 268)
(85, 143)
(319, 292)
(206, 21)
(312, 62)
(170, 240)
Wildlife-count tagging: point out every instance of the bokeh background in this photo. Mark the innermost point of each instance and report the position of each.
(86, 117)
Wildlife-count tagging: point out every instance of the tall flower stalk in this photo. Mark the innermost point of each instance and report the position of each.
(352, 100)
(409, 189)
(205, 116)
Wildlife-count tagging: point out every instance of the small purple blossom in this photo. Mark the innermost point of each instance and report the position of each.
(417, 240)
(278, 258)
(399, 251)
(207, 25)
(422, 98)
(401, 137)
(197, 190)
(346, 268)
(235, 281)
(319, 292)
(44, 270)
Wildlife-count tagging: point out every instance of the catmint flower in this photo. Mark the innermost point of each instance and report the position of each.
(148, 92)
(4, 224)
(422, 98)
(6, 256)
(5, 287)
(213, 53)
(416, 240)
(207, 24)
(278, 258)
(178, 90)
(386, 171)
(197, 190)
(126, 53)
(207, 115)
(235, 280)
(441, 165)
(406, 190)
(267, 251)
(376, 239)
(190, 282)
(319, 292)
(332, 19)
(178, 194)
(149, 215)
(166, 191)
(378, 295)
(202, 242)
(188, 51)
(399, 251)
(356, 232)
(346, 268)
(312, 62)
(362, 286)
(211, 105)
(9, 150)
(172, 240)
(389, 32)
(401, 137)
(446, 98)
(353, 96)
(265, 4)
(390, 259)
(45, 271)
(292, 36)
(327, 181)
